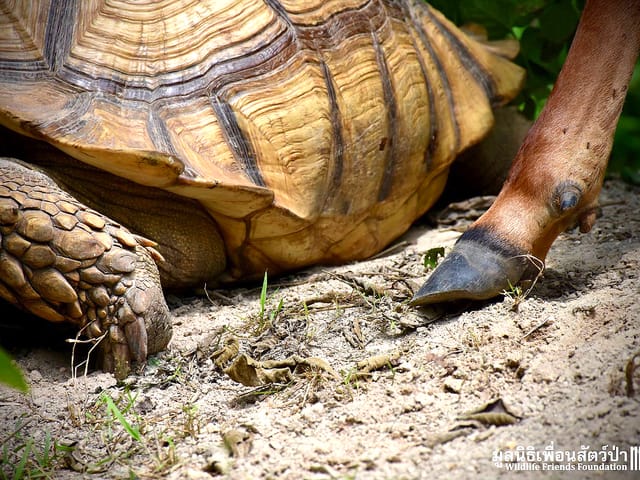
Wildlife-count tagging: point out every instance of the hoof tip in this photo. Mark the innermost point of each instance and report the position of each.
(472, 271)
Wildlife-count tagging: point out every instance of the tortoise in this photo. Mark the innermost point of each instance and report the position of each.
(168, 144)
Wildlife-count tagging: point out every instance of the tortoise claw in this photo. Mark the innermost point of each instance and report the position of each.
(136, 334)
(479, 267)
(120, 355)
(142, 323)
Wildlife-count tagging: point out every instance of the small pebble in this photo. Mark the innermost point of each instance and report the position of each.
(453, 385)
(312, 413)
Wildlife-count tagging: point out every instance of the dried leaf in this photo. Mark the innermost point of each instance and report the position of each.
(377, 362)
(354, 335)
(465, 211)
(254, 373)
(228, 352)
(444, 437)
(249, 372)
(321, 364)
(492, 413)
(362, 285)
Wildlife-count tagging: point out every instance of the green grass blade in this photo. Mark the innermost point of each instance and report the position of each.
(115, 411)
(263, 296)
(45, 459)
(18, 473)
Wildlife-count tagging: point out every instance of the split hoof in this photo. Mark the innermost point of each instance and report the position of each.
(479, 267)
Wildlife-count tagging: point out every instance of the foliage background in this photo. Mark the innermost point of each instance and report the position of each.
(545, 29)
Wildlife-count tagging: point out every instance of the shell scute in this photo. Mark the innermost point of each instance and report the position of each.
(311, 131)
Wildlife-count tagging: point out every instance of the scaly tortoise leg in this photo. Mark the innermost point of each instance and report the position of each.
(64, 262)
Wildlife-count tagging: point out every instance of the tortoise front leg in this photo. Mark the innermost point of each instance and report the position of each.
(64, 262)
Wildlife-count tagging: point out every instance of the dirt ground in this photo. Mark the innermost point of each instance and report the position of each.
(344, 380)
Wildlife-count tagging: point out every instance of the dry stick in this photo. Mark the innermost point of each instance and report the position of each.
(388, 250)
(539, 264)
(218, 295)
(534, 329)
(629, 370)
(96, 341)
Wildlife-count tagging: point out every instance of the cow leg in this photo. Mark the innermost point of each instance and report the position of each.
(558, 172)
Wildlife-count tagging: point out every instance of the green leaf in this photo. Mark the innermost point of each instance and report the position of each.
(497, 16)
(629, 175)
(10, 373)
(558, 22)
(449, 9)
(431, 256)
(625, 156)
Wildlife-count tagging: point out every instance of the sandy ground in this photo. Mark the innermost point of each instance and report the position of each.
(359, 385)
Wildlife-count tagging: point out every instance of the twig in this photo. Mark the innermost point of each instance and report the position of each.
(534, 329)
(388, 250)
(96, 341)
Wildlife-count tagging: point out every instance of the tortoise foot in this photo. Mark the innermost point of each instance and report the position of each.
(64, 262)
(479, 267)
(137, 322)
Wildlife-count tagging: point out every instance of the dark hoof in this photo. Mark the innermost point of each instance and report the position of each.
(479, 267)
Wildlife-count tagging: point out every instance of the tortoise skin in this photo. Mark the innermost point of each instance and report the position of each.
(308, 131)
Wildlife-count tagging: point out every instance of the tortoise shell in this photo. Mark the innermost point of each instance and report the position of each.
(312, 131)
